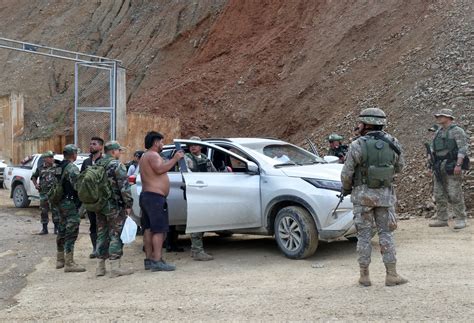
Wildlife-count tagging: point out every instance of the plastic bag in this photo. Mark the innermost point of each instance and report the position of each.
(129, 231)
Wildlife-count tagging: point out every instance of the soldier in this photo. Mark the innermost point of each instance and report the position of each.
(45, 173)
(111, 219)
(198, 162)
(450, 147)
(336, 148)
(69, 213)
(371, 163)
(96, 145)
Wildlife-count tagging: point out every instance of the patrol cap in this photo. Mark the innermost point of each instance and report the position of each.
(373, 116)
(113, 145)
(70, 149)
(335, 137)
(48, 153)
(445, 113)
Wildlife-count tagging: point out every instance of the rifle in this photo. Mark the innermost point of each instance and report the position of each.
(312, 146)
(432, 162)
(341, 198)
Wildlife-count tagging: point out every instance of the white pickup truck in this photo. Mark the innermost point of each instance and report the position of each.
(17, 179)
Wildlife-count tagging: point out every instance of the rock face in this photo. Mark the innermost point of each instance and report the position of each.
(289, 69)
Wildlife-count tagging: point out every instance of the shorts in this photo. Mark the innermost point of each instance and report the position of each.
(154, 212)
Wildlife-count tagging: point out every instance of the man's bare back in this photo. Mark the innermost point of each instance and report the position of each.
(153, 171)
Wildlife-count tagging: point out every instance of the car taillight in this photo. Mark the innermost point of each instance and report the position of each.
(132, 179)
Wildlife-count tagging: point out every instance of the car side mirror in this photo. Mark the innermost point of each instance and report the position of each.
(252, 168)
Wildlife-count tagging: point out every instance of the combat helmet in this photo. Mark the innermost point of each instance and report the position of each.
(335, 137)
(373, 116)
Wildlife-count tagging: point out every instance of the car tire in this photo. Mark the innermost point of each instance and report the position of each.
(295, 232)
(20, 197)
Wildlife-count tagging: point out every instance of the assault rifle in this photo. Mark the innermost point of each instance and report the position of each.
(341, 198)
(433, 165)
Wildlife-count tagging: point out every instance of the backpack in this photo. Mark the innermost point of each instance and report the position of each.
(56, 191)
(93, 187)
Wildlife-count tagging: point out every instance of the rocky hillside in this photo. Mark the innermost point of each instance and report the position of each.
(287, 69)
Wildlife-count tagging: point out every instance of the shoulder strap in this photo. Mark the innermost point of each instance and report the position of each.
(382, 137)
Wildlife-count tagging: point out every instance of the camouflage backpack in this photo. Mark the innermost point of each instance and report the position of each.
(56, 191)
(93, 187)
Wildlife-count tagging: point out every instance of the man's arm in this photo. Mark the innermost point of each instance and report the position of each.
(189, 163)
(34, 177)
(123, 184)
(72, 174)
(353, 157)
(160, 167)
(463, 147)
(400, 161)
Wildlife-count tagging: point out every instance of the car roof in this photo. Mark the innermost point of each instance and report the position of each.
(243, 141)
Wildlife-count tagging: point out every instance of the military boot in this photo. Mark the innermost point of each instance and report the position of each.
(44, 230)
(70, 266)
(459, 224)
(93, 237)
(364, 279)
(56, 227)
(438, 223)
(100, 270)
(60, 259)
(201, 256)
(392, 278)
(116, 270)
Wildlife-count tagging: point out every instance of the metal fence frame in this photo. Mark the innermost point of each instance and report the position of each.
(112, 68)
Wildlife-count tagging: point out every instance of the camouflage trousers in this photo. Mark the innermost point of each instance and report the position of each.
(383, 217)
(110, 223)
(45, 208)
(68, 229)
(196, 242)
(449, 191)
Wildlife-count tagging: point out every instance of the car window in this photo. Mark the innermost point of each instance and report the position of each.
(285, 154)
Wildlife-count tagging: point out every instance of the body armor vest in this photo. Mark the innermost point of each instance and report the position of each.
(444, 147)
(199, 164)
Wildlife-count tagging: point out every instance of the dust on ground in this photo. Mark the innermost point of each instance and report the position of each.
(248, 280)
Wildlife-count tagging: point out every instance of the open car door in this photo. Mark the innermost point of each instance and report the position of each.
(222, 200)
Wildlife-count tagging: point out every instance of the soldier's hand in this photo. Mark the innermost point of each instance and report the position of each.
(457, 170)
(346, 192)
(179, 155)
(128, 211)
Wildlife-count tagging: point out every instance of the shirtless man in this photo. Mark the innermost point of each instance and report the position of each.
(155, 189)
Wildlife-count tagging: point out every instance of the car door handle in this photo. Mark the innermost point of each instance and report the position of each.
(198, 184)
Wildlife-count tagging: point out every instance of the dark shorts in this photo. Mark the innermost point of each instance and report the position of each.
(154, 212)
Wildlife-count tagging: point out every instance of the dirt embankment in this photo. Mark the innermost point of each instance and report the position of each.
(278, 68)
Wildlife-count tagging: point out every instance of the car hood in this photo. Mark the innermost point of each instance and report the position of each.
(331, 172)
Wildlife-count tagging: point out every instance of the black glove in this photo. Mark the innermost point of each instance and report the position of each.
(346, 192)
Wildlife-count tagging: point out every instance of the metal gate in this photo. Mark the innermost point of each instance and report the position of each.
(95, 90)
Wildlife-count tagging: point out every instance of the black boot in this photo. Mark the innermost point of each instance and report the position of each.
(44, 230)
(94, 245)
(171, 241)
(56, 227)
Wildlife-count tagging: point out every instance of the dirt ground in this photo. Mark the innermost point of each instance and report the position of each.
(248, 280)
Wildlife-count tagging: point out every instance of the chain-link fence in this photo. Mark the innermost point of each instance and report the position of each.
(94, 102)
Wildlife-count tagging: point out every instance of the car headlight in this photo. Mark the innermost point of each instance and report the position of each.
(325, 184)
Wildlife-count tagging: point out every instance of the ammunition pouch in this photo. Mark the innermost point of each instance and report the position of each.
(378, 177)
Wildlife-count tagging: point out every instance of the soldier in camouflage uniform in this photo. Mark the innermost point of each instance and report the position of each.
(198, 162)
(371, 163)
(450, 147)
(69, 213)
(111, 219)
(336, 148)
(46, 173)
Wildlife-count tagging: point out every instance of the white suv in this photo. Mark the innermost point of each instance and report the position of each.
(265, 187)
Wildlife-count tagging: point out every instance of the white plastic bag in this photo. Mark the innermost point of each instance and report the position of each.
(129, 231)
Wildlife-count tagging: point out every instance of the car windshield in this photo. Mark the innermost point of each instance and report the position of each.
(285, 154)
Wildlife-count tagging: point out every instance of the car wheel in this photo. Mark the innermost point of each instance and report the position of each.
(20, 197)
(295, 232)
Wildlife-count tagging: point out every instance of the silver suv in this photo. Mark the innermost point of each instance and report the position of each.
(264, 187)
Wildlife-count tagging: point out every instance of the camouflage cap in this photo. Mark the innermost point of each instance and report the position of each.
(70, 149)
(48, 153)
(195, 138)
(113, 145)
(445, 113)
(335, 137)
(373, 116)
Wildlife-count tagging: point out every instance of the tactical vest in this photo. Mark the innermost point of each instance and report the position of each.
(444, 147)
(47, 178)
(377, 167)
(199, 164)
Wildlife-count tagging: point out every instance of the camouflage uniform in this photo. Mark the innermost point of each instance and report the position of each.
(371, 205)
(68, 210)
(46, 176)
(448, 189)
(111, 219)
